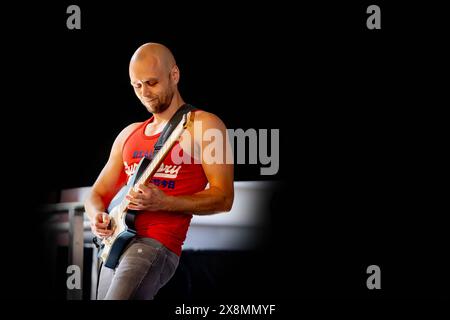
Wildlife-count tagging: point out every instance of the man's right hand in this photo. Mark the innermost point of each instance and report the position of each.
(99, 225)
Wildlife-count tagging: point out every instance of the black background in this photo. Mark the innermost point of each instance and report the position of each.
(360, 114)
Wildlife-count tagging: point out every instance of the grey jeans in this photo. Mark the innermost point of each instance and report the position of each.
(144, 267)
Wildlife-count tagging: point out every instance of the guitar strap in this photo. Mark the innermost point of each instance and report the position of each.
(171, 125)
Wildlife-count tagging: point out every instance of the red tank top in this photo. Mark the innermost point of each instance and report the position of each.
(169, 228)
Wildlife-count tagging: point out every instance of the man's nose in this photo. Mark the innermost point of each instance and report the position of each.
(145, 90)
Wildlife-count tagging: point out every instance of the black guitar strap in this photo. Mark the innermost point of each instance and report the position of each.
(171, 125)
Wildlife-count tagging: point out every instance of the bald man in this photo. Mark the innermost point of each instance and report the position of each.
(176, 191)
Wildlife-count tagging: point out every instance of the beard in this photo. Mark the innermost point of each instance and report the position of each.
(158, 105)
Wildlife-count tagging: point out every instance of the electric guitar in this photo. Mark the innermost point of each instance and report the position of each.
(121, 218)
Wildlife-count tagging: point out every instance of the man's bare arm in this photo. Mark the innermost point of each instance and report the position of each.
(106, 185)
(217, 198)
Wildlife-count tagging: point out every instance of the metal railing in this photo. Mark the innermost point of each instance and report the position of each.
(75, 226)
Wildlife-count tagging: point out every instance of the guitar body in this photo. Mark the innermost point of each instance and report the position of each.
(122, 222)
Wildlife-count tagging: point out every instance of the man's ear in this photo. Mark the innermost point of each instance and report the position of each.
(175, 74)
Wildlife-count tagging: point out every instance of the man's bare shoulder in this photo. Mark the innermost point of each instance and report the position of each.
(208, 119)
(123, 135)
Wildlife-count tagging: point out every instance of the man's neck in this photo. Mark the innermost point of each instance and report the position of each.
(165, 116)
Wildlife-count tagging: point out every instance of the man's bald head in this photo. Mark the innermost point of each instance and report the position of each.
(154, 76)
(155, 54)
